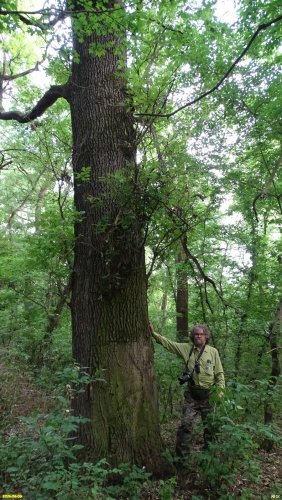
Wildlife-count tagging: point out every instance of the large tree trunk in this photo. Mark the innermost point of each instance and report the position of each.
(109, 306)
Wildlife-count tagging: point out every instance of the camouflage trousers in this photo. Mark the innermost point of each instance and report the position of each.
(190, 410)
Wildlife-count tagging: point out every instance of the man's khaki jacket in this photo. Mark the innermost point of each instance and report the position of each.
(211, 371)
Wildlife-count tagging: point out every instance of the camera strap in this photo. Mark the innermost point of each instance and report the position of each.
(197, 360)
(190, 354)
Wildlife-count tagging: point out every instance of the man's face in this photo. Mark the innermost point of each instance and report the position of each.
(199, 337)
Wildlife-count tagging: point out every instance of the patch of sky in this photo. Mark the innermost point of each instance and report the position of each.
(225, 11)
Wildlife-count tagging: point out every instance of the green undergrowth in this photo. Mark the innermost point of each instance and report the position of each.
(41, 463)
(39, 458)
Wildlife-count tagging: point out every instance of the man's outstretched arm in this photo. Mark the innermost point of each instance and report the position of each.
(181, 350)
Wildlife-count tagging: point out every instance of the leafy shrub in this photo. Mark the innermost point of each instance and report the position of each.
(236, 438)
(42, 464)
(167, 489)
(232, 453)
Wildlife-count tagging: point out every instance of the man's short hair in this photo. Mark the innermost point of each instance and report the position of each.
(202, 327)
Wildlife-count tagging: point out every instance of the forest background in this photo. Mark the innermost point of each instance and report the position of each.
(171, 198)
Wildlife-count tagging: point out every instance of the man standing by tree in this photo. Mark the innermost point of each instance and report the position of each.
(203, 371)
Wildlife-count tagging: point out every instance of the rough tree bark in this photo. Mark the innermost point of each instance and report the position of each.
(109, 307)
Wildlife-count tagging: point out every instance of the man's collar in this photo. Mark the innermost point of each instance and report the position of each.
(200, 348)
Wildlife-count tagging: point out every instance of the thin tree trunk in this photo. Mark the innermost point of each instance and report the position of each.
(37, 211)
(244, 315)
(181, 292)
(274, 330)
(40, 355)
(163, 311)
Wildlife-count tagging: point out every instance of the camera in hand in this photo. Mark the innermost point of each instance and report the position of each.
(185, 377)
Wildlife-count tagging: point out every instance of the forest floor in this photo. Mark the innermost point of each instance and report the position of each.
(191, 484)
(19, 396)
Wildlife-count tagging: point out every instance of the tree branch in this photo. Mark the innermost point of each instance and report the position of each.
(23, 294)
(267, 186)
(166, 27)
(62, 14)
(202, 272)
(19, 75)
(261, 27)
(34, 22)
(3, 162)
(49, 11)
(25, 199)
(49, 98)
(11, 77)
